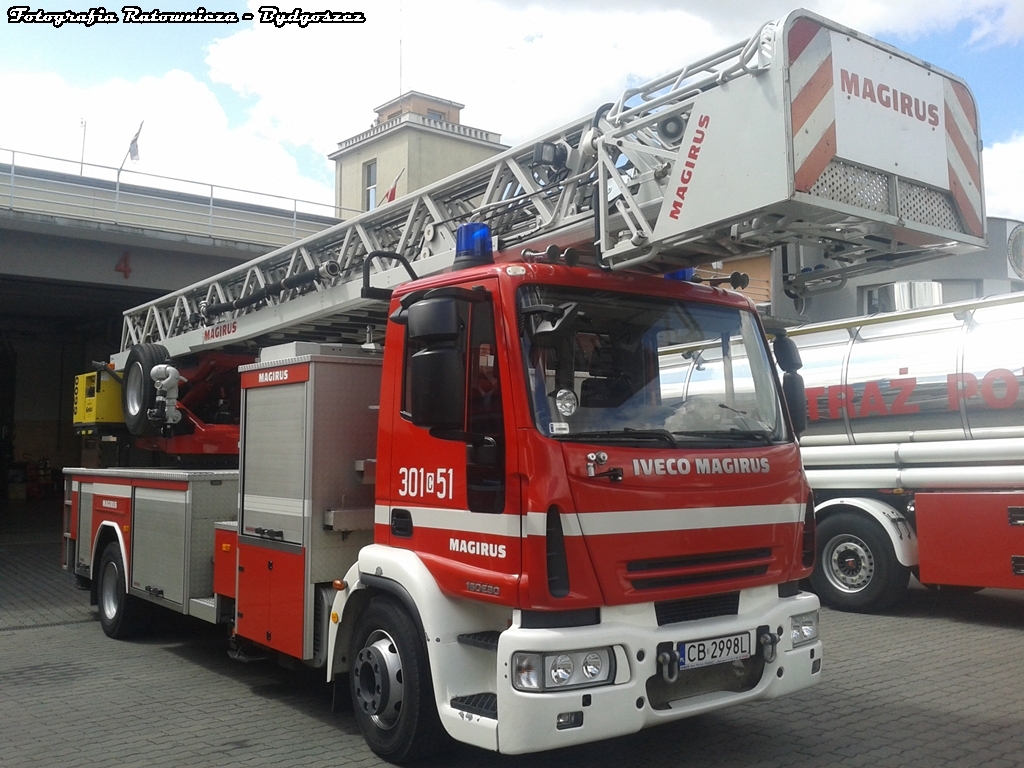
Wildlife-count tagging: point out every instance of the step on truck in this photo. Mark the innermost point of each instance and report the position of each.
(504, 469)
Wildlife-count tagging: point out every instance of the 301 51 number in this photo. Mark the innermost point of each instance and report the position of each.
(417, 481)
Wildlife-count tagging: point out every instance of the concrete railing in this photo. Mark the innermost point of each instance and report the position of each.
(414, 119)
(51, 187)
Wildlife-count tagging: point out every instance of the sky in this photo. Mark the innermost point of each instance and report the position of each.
(256, 106)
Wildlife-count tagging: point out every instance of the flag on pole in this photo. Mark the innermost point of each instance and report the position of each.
(133, 148)
(392, 192)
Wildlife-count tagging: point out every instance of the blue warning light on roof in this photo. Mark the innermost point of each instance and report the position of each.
(681, 274)
(473, 245)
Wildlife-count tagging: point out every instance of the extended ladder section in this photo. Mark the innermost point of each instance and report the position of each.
(806, 134)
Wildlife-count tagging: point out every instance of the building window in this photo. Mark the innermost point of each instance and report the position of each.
(433, 114)
(370, 185)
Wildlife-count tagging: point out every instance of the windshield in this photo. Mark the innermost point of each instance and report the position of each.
(613, 367)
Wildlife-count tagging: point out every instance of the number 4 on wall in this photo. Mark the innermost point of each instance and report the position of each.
(124, 265)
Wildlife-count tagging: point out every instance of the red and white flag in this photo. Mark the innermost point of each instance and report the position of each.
(392, 192)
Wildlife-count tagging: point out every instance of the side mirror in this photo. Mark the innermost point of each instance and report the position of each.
(796, 400)
(433, 321)
(437, 373)
(437, 378)
(786, 354)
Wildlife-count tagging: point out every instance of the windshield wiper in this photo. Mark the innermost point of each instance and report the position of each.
(628, 433)
(732, 434)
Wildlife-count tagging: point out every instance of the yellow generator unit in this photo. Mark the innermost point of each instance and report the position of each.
(97, 402)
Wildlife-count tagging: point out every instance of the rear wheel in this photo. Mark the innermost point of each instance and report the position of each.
(857, 569)
(392, 693)
(120, 613)
(138, 394)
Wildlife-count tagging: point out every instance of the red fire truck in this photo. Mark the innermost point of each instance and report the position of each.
(537, 498)
(915, 450)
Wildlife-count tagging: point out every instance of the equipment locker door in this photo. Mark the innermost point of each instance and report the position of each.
(159, 528)
(271, 591)
(971, 539)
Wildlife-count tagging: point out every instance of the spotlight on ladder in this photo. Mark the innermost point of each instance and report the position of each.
(671, 130)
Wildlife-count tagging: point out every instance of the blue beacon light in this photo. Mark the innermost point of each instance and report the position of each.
(473, 246)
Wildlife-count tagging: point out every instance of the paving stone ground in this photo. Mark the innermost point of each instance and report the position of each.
(937, 682)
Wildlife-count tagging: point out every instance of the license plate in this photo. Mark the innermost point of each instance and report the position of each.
(717, 650)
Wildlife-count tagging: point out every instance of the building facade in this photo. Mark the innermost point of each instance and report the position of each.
(415, 140)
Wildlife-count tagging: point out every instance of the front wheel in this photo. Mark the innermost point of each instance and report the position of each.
(120, 613)
(857, 569)
(392, 693)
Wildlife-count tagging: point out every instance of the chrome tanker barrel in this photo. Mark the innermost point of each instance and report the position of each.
(951, 372)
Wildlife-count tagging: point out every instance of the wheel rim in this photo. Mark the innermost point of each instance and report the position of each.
(134, 387)
(110, 590)
(848, 564)
(378, 680)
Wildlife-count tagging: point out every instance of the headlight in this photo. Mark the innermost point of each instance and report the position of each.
(803, 628)
(559, 671)
(527, 671)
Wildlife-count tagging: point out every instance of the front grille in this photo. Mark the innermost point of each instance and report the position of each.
(691, 609)
(658, 573)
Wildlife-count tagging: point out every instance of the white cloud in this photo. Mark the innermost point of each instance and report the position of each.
(1004, 178)
(991, 21)
(521, 69)
(518, 71)
(186, 135)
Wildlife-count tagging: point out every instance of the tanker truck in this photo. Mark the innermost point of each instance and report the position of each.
(915, 450)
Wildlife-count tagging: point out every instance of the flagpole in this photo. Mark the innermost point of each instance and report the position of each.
(132, 145)
(81, 164)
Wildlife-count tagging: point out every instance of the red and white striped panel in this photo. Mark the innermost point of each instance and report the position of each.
(813, 107)
(962, 153)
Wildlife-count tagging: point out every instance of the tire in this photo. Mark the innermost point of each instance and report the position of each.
(120, 613)
(857, 569)
(390, 683)
(138, 394)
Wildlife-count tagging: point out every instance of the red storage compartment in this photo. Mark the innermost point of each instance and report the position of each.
(271, 597)
(971, 539)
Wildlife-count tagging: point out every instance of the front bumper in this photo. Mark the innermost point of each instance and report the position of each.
(527, 720)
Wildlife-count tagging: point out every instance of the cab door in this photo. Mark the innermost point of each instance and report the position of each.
(449, 496)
